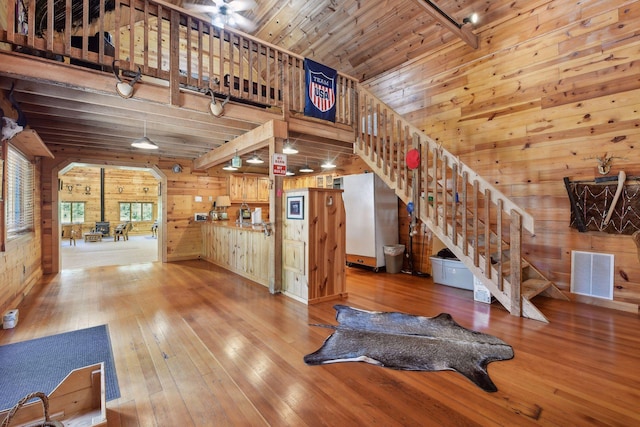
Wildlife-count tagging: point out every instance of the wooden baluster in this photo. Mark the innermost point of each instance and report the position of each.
(515, 231)
(145, 51)
(174, 58)
(200, 54)
(117, 18)
(476, 234)
(68, 27)
(445, 165)
(132, 34)
(454, 204)
(158, 41)
(499, 209)
(487, 233)
(465, 207)
(189, 49)
(434, 206)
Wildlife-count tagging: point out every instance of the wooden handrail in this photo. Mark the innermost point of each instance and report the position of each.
(172, 44)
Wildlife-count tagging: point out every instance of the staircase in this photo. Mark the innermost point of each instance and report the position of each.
(480, 225)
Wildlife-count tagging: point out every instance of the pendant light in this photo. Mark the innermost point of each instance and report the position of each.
(289, 149)
(144, 142)
(255, 160)
(229, 167)
(236, 161)
(306, 168)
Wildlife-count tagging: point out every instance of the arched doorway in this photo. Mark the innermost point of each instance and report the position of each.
(92, 200)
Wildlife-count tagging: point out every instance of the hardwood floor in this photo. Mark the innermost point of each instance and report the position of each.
(197, 346)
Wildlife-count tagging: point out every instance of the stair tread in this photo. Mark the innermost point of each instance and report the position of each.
(533, 287)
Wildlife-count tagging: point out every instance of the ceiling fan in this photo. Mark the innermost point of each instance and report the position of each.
(227, 12)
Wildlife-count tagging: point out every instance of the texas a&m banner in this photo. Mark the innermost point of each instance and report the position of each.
(321, 91)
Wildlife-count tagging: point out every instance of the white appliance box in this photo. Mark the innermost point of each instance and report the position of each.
(451, 272)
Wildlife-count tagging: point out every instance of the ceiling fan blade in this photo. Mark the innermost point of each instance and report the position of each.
(202, 8)
(240, 5)
(244, 22)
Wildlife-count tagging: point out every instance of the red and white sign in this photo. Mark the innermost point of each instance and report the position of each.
(279, 164)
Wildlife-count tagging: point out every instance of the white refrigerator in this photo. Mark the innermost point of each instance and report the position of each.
(372, 219)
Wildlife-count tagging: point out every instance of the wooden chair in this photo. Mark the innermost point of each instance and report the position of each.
(122, 230)
(76, 232)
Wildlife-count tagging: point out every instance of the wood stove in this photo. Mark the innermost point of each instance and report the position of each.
(102, 227)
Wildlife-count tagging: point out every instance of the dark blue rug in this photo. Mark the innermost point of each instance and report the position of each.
(41, 364)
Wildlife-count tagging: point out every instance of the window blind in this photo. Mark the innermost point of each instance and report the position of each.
(19, 200)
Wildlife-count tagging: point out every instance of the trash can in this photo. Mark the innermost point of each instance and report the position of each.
(393, 255)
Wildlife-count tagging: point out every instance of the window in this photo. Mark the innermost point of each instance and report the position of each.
(19, 200)
(72, 212)
(136, 211)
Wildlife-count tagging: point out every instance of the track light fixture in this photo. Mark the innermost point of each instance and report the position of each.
(123, 88)
(471, 19)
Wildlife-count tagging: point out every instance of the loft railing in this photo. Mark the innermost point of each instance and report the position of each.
(167, 43)
(479, 223)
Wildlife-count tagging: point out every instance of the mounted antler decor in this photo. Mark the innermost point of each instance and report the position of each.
(123, 88)
(604, 162)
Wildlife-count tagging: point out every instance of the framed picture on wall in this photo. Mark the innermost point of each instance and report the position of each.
(295, 207)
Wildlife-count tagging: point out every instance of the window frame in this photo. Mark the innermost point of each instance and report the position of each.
(15, 228)
(71, 210)
(151, 205)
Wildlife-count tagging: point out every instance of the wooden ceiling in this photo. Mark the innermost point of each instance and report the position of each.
(360, 38)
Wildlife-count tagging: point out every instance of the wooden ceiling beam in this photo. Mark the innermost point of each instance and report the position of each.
(245, 143)
(462, 31)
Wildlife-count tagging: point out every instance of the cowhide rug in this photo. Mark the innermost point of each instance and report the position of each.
(409, 342)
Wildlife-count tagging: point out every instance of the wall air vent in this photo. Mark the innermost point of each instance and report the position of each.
(592, 274)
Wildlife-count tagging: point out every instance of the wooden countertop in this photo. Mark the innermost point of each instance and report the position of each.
(233, 225)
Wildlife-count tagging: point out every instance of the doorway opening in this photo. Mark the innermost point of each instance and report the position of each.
(108, 215)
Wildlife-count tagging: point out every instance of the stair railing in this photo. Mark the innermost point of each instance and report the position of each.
(472, 217)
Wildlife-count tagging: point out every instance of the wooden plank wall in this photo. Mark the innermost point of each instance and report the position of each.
(552, 85)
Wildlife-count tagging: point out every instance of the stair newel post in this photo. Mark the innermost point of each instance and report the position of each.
(465, 240)
(515, 232)
(360, 126)
(454, 204)
(499, 239)
(487, 233)
(476, 234)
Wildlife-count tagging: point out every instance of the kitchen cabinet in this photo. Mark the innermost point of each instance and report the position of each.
(248, 188)
(243, 250)
(313, 246)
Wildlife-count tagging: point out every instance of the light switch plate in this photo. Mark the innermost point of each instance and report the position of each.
(198, 198)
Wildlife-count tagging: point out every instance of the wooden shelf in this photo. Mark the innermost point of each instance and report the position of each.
(28, 141)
